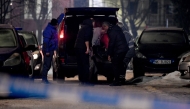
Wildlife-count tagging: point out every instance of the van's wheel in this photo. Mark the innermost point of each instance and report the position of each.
(94, 78)
(60, 77)
(138, 69)
(110, 79)
(54, 70)
(54, 74)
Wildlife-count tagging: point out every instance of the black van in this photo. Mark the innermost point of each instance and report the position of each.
(65, 64)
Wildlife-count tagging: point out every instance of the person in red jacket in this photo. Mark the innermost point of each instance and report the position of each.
(104, 39)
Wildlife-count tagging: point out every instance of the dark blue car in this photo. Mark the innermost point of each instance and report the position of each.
(14, 59)
(31, 39)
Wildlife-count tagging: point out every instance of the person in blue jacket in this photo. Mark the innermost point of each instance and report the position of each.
(50, 44)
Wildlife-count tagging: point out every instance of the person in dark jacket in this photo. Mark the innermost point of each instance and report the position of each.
(117, 50)
(82, 45)
(130, 41)
(50, 44)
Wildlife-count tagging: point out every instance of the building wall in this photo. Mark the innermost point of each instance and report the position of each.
(55, 8)
(151, 19)
(81, 3)
(162, 16)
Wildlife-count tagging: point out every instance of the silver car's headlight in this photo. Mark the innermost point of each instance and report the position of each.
(184, 57)
(184, 54)
(13, 60)
(181, 60)
(140, 55)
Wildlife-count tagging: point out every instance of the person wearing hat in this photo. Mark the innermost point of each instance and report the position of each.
(117, 49)
(50, 44)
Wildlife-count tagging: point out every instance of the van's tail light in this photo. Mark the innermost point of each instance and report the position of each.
(62, 34)
(62, 60)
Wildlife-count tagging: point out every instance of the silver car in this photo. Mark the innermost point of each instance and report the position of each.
(184, 66)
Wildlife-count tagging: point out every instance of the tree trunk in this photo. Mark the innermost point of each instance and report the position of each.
(39, 28)
(123, 15)
(133, 28)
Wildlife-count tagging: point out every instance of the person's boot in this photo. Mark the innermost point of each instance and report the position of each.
(86, 84)
(122, 79)
(116, 83)
(135, 80)
(45, 81)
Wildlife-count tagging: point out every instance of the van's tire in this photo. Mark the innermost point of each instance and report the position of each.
(94, 78)
(110, 78)
(138, 69)
(54, 74)
(60, 76)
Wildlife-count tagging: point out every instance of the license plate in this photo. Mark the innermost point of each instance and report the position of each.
(162, 62)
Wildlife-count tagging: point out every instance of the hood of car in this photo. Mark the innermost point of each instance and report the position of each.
(5, 53)
(6, 50)
(162, 50)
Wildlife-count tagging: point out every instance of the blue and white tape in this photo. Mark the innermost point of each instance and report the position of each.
(75, 94)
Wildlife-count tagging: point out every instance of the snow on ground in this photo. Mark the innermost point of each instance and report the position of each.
(154, 79)
(170, 79)
(174, 76)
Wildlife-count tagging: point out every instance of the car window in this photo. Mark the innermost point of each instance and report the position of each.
(7, 38)
(163, 37)
(30, 38)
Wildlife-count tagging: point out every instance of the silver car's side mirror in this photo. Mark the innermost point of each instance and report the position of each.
(189, 37)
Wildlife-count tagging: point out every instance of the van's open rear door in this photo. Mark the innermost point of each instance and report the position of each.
(91, 11)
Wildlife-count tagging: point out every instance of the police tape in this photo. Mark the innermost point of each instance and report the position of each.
(20, 87)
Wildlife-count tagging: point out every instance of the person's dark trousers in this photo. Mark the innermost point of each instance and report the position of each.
(118, 66)
(46, 65)
(83, 65)
(126, 62)
(129, 55)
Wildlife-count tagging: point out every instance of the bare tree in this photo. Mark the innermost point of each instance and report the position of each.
(7, 9)
(132, 13)
(39, 13)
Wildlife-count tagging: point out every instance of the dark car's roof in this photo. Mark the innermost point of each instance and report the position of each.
(22, 31)
(28, 32)
(91, 11)
(163, 29)
(6, 26)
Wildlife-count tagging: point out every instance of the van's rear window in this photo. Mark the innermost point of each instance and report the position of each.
(163, 37)
(7, 38)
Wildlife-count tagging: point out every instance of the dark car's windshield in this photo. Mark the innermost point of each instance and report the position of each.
(163, 37)
(30, 38)
(7, 38)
